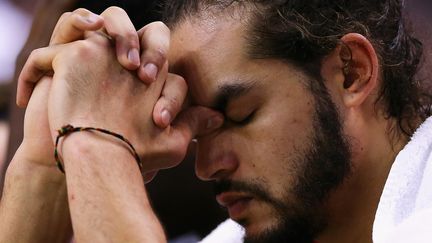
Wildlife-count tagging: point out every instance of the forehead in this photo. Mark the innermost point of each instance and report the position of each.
(209, 54)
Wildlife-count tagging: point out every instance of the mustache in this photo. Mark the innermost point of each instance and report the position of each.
(254, 189)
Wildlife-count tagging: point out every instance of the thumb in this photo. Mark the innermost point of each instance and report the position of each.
(197, 121)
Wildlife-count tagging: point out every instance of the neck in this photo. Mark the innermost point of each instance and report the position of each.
(353, 205)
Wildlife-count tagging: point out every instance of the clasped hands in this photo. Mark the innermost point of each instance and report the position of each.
(108, 75)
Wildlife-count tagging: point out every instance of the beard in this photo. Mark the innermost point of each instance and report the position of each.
(324, 165)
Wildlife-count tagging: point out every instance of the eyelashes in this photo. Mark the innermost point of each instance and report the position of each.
(242, 121)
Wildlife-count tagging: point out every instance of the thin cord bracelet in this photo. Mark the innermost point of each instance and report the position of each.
(68, 129)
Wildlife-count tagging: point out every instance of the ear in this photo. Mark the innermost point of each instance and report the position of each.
(353, 69)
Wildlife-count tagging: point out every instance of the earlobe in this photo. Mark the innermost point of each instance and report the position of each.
(359, 69)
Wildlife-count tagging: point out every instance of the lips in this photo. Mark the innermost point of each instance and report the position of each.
(235, 203)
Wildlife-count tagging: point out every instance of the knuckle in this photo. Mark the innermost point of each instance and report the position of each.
(34, 54)
(114, 33)
(99, 41)
(64, 16)
(160, 26)
(131, 35)
(173, 102)
(157, 55)
(115, 9)
(74, 21)
(82, 45)
(60, 36)
(33, 58)
(81, 11)
(179, 79)
(161, 53)
(83, 48)
(132, 38)
(180, 82)
(178, 151)
(156, 41)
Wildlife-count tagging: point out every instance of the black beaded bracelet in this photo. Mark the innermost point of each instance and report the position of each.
(68, 129)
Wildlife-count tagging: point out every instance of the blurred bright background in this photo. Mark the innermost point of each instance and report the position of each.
(15, 22)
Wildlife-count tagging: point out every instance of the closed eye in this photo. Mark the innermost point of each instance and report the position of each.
(241, 121)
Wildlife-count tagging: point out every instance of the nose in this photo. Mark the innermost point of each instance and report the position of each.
(215, 160)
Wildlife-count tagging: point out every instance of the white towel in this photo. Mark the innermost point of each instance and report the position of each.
(405, 209)
(227, 232)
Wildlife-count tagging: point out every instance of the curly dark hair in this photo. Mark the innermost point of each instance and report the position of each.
(304, 32)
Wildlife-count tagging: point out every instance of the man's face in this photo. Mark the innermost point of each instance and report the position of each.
(279, 152)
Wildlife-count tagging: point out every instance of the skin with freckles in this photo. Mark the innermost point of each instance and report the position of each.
(297, 159)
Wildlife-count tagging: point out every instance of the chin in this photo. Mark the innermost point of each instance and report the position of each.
(262, 231)
(256, 229)
(293, 229)
(276, 236)
(258, 218)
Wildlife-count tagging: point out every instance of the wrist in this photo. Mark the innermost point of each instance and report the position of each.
(39, 168)
(97, 146)
(83, 144)
(106, 162)
(37, 152)
(35, 202)
(40, 182)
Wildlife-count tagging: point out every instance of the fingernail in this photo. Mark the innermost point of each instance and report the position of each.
(166, 117)
(151, 70)
(214, 122)
(92, 18)
(133, 56)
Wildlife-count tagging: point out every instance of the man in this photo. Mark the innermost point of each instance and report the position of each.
(318, 100)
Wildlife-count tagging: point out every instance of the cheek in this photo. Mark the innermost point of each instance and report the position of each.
(271, 146)
(268, 148)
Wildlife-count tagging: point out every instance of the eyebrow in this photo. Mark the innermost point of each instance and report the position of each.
(228, 92)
